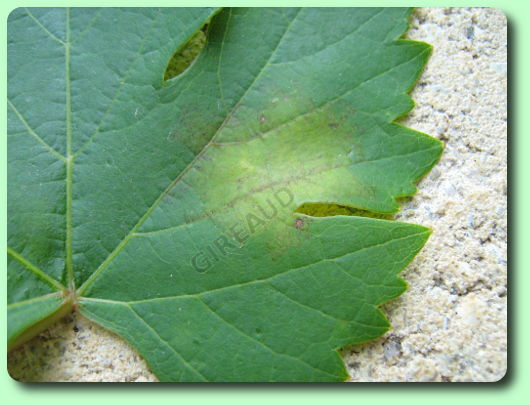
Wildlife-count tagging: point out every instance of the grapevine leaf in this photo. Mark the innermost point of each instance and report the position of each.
(173, 211)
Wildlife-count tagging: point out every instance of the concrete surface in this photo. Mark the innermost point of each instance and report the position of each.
(451, 323)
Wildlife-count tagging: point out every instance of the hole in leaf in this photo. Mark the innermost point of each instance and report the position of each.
(183, 58)
(331, 209)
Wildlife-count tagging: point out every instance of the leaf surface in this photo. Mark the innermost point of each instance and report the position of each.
(167, 210)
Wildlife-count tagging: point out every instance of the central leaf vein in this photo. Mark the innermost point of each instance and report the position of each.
(267, 279)
(69, 160)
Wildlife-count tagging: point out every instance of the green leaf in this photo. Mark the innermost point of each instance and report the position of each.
(180, 213)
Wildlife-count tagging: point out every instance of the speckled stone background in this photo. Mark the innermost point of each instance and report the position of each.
(451, 324)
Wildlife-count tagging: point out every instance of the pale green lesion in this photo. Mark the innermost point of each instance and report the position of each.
(308, 157)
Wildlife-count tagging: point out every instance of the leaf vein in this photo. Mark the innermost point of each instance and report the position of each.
(268, 186)
(36, 299)
(88, 27)
(41, 26)
(320, 107)
(335, 42)
(260, 343)
(33, 133)
(262, 280)
(182, 359)
(221, 57)
(34, 269)
(120, 87)
(69, 160)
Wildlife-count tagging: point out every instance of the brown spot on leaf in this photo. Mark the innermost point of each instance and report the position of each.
(299, 223)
